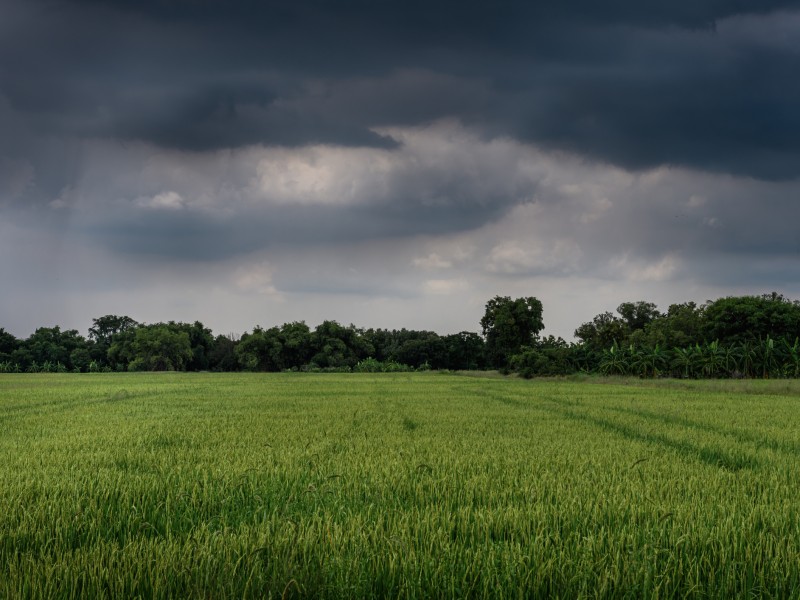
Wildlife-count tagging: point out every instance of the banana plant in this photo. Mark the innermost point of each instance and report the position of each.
(766, 357)
(791, 363)
(748, 356)
(712, 359)
(684, 361)
(650, 362)
(614, 361)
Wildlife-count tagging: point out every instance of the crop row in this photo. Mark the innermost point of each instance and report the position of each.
(396, 485)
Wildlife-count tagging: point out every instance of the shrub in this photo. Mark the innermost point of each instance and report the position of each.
(372, 365)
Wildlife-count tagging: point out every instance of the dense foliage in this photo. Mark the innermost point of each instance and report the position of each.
(737, 337)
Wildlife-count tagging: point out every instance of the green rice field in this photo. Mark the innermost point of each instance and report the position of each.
(404, 485)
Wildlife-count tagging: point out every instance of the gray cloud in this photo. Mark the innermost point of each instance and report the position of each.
(440, 180)
(707, 85)
(393, 157)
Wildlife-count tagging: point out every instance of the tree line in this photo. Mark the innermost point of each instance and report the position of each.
(738, 336)
(119, 343)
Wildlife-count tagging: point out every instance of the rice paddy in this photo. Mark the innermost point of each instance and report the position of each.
(407, 485)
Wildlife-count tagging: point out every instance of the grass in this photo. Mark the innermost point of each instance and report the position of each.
(396, 485)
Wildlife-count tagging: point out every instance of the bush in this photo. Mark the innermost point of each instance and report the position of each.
(372, 365)
(369, 365)
(312, 368)
(533, 362)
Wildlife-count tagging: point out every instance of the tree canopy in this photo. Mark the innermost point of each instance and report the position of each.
(737, 336)
(508, 325)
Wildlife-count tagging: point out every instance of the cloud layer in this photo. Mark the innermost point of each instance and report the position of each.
(398, 163)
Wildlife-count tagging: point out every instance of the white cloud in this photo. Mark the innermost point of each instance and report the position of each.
(527, 256)
(255, 278)
(439, 165)
(164, 201)
(642, 270)
(445, 287)
(595, 210)
(431, 262)
(321, 174)
(696, 201)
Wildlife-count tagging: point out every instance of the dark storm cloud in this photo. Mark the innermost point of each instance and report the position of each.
(700, 84)
(712, 108)
(219, 118)
(434, 19)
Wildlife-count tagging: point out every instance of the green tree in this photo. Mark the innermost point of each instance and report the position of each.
(159, 348)
(508, 325)
(751, 318)
(383, 342)
(102, 333)
(681, 326)
(637, 315)
(120, 352)
(201, 341)
(465, 351)
(8, 344)
(104, 328)
(260, 350)
(222, 356)
(551, 356)
(603, 331)
(423, 348)
(337, 347)
(80, 359)
(295, 339)
(50, 345)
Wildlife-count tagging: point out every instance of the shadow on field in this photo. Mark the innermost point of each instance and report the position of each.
(786, 447)
(63, 405)
(504, 398)
(715, 457)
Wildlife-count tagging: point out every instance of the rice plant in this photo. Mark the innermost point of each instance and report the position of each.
(402, 485)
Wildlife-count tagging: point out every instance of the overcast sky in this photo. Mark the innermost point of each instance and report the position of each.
(392, 163)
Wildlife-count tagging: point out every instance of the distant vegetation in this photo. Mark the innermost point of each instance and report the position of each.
(738, 337)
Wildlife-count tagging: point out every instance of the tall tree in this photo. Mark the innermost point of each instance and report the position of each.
(602, 332)
(201, 341)
(295, 338)
(8, 343)
(104, 328)
(335, 346)
(160, 348)
(102, 333)
(751, 318)
(425, 347)
(637, 314)
(508, 325)
(465, 350)
(680, 327)
(260, 350)
(222, 356)
(51, 345)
